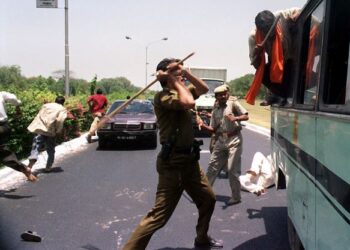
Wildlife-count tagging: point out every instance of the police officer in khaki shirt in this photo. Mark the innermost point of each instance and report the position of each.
(227, 150)
(177, 163)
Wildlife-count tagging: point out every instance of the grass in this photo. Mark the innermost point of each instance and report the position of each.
(258, 115)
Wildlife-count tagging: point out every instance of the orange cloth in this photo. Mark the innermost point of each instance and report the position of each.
(276, 67)
(311, 54)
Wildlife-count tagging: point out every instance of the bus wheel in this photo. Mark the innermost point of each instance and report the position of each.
(294, 240)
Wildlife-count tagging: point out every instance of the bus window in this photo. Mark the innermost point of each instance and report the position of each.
(337, 86)
(347, 95)
(312, 56)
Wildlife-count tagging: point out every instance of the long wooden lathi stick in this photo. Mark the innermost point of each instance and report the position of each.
(121, 107)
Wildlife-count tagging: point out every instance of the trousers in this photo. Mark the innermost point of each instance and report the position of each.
(172, 181)
(40, 142)
(93, 127)
(228, 153)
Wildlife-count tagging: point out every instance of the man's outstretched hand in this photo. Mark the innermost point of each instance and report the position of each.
(257, 58)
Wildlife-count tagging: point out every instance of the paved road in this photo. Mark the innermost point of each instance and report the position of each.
(98, 197)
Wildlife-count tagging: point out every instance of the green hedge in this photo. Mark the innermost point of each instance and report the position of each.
(79, 119)
(35, 91)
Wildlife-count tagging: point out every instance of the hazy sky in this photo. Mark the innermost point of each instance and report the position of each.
(216, 30)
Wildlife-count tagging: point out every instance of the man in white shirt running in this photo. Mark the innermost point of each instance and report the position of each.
(7, 157)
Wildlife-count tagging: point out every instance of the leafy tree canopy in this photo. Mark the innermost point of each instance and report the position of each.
(11, 76)
(118, 84)
(240, 86)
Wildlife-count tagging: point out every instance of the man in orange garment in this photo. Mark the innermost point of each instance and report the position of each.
(278, 48)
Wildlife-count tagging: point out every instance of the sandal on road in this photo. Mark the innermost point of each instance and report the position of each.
(30, 236)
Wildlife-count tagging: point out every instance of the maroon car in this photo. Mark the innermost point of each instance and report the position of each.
(135, 125)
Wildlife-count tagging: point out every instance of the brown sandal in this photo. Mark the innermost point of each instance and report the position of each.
(30, 236)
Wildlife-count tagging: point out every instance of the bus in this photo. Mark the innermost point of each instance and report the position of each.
(310, 135)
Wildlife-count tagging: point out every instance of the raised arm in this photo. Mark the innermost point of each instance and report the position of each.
(201, 86)
(174, 78)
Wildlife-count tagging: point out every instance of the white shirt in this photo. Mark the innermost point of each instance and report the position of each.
(6, 97)
(260, 176)
(49, 121)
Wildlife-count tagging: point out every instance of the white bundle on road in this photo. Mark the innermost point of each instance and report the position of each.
(259, 176)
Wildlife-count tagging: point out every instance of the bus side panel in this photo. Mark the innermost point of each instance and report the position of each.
(299, 198)
(293, 142)
(304, 140)
(333, 178)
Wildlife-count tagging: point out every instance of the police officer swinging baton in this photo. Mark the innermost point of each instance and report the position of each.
(121, 107)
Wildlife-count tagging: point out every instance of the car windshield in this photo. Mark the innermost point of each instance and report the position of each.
(133, 107)
(212, 84)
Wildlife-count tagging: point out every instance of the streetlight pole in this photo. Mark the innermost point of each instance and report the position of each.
(163, 39)
(53, 4)
(66, 58)
(146, 65)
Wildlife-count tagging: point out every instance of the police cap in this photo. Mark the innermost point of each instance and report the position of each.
(220, 89)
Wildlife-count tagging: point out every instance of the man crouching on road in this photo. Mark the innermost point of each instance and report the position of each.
(177, 163)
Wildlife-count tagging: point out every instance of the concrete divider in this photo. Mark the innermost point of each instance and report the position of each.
(12, 178)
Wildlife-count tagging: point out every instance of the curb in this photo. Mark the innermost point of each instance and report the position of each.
(257, 129)
(10, 177)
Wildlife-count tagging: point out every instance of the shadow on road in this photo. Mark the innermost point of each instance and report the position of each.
(178, 248)
(222, 198)
(53, 170)
(274, 239)
(90, 247)
(5, 194)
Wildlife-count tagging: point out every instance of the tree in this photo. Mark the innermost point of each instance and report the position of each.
(58, 87)
(61, 73)
(11, 76)
(93, 85)
(118, 84)
(79, 86)
(39, 82)
(240, 86)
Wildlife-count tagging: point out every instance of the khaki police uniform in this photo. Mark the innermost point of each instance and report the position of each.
(227, 149)
(180, 172)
